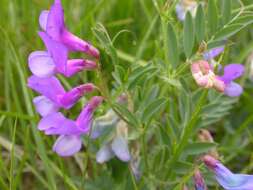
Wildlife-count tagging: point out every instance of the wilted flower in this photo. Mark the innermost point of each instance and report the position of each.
(227, 179)
(205, 77)
(205, 136)
(104, 123)
(199, 181)
(186, 5)
(117, 147)
(70, 131)
(54, 95)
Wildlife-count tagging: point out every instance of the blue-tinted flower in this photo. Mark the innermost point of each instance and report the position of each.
(227, 179)
(232, 72)
(211, 54)
(186, 5)
(117, 147)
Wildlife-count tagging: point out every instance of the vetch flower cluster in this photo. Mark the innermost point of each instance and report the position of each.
(44, 66)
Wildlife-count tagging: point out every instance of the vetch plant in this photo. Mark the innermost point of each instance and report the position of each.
(164, 95)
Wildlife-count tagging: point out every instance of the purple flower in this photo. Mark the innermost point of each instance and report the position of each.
(232, 72)
(199, 181)
(118, 147)
(69, 141)
(52, 22)
(46, 64)
(211, 54)
(53, 94)
(227, 179)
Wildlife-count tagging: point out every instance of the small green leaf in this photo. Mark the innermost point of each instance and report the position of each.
(199, 148)
(200, 24)
(180, 167)
(188, 35)
(138, 74)
(105, 40)
(152, 108)
(171, 81)
(212, 16)
(228, 31)
(128, 116)
(172, 46)
(226, 11)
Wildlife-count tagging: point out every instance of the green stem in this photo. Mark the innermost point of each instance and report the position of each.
(187, 131)
(132, 178)
(165, 42)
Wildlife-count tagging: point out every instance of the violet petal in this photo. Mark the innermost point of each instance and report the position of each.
(44, 106)
(49, 87)
(85, 118)
(104, 154)
(57, 124)
(43, 19)
(211, 54)
(233, 89)
(67, 145)
(120, 149)
(232, 72)
(41, 64)
(58, 52)
(55, 21)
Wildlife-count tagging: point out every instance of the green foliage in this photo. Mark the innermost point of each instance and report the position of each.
(188, 35)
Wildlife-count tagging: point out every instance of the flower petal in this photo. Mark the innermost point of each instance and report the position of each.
(213, 53)
(75, 43)
(55, 21)
(226, 178)
(232, 72)
(58, 52)
(71, 97)
(43, 19)
(120, 149)
(57, 124)
(103, 124)
(104, 154)
(76, 65)
(67, 145)
(44, 106)
(233, 89)
(49, 87)
(84, 120)
(37, 53)
(180, 12)
(231, 181)
(41, 65)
